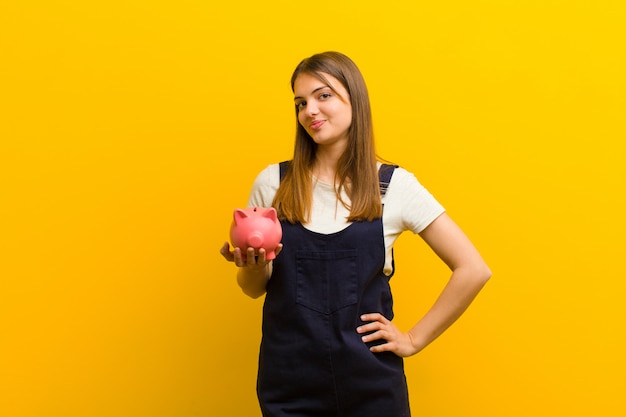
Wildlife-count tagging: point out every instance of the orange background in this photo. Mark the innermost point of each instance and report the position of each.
(130, 130)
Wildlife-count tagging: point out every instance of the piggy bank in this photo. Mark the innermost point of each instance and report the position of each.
(256, 227)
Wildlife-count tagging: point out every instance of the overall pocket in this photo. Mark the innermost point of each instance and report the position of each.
(327, 280)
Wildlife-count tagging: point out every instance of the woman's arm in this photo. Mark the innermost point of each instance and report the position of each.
(469, 275)
(254, 272)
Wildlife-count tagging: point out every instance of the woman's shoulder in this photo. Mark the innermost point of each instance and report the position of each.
(264, 186)
(400, 174)
(408, 203)
(268, 175)
(404, 186)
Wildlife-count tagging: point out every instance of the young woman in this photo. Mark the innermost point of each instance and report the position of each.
(329, 346)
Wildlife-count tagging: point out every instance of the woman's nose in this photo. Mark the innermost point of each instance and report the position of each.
(312, 108)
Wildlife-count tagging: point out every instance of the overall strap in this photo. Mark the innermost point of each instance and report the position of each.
(384, 177)
(283, 167)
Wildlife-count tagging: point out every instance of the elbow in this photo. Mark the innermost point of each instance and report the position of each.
(482, 274)
(475, 275)
(254, 294)
(252, 291)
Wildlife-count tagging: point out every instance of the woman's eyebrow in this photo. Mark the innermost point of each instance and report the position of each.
(312, 92)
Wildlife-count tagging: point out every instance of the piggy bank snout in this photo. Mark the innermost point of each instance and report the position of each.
(255, 239)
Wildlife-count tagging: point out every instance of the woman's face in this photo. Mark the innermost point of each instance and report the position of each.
(325, 114)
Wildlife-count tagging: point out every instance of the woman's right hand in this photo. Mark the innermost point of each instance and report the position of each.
(252, 260)
(254, 271)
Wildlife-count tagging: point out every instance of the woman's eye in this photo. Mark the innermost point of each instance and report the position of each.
(325, 96)
(300, 105)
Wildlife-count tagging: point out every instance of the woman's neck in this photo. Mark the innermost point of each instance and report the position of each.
(324, 170)
(326, 161)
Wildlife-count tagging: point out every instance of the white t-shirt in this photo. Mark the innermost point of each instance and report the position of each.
(408, 206)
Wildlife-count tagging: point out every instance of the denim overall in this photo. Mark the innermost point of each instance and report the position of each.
(312, 362)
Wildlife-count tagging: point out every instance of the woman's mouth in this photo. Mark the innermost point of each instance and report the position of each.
(317, 124)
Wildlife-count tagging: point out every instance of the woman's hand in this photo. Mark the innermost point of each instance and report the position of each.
(252, 259)
(254, 271)
(380, 328)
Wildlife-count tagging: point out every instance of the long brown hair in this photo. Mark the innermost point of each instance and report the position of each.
(356, 169)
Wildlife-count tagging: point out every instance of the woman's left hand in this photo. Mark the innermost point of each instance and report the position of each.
(379, 327)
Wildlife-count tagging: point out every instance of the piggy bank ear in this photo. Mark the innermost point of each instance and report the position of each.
(239, 215)
(271, 214)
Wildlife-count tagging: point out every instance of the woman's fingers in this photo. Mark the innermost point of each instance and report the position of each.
(253, 257)
(377, 324)
(226, 253)
(381, 328)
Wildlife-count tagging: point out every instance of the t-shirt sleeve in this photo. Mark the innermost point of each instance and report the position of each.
(412, 206)
(264, 187)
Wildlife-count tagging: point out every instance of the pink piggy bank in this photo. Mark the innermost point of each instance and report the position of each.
(256, 227)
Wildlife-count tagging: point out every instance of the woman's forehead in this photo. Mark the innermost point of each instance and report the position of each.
(306, 83)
